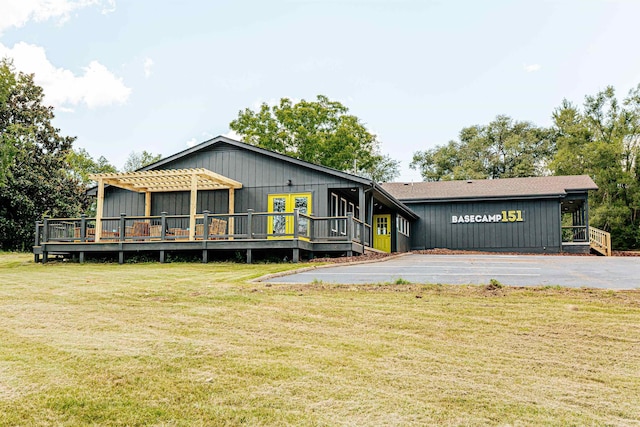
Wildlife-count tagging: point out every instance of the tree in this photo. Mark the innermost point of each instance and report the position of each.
(320, 132)
(82, 165)
(7, 148)
(603, 141)
(502, 149)
(136, 160)
(36, 179)
(385, 169)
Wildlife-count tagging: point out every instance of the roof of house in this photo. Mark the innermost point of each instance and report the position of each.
(544, 186)
(377, 188)
(224, 140)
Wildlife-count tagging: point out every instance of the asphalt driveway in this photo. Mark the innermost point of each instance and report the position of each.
(514, 270)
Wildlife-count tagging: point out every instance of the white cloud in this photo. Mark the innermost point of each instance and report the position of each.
(233, 135)
(205, 136)
(532, 68)
(109, 7)
(16, 13)
(148, 63)
(96, 87)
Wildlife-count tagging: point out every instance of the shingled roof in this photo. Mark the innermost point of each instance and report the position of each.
(544, 186)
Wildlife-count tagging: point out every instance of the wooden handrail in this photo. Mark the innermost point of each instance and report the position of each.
(600, 241)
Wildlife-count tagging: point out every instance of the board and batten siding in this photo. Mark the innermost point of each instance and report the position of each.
(538, 232)
(259, 174)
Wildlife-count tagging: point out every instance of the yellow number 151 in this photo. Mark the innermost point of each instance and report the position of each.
(512, 216)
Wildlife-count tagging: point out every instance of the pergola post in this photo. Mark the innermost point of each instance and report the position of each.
(232, 210)
(192, 207)
(147, 203)
(99, 209)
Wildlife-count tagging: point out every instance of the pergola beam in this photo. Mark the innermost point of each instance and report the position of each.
(162, 181)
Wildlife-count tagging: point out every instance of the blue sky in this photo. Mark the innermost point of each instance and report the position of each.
(158, 76)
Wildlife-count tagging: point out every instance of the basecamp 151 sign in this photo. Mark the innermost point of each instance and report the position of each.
(504, 216)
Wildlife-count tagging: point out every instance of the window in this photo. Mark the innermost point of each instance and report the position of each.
(403, 226)
(334, 212)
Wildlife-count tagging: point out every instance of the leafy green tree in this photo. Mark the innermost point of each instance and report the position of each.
(384, 169)
(136, 160)
(7, 145)
(36, 181)
(82, 165)
(603, 141)
(502, 149)
(320, 132)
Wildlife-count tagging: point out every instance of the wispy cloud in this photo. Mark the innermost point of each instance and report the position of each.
(95, 87)
(16, 14)
(108, 7)
(233, 135)
(531, 68)
(148, 63)
(204, 137)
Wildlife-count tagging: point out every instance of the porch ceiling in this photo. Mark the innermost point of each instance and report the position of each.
(161, 181)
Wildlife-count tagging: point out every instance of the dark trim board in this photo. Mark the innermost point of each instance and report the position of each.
(122, 249)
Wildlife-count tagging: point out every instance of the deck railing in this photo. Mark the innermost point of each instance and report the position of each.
(574, 233)
(600, 241)
(208, 226)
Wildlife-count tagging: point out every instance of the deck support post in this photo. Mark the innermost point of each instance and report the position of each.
(205, 225)
(350, 226)
(163, 227)
(45, 230)
(83, 228)
(123, 227)
(36, 241)
(162, 257)
(45, 238)
(249, 256)
(120, 257)
(296, 255)
(296, 223)
(81, 257)
(249, 227)
(205, 256)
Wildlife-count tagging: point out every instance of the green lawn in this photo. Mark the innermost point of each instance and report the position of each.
(195, 344)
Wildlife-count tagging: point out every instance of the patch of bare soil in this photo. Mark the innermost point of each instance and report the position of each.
(442, 251)
(625, 253)
(359, 258)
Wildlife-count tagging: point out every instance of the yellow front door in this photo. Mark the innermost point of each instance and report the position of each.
(382, 232)
(281, 226)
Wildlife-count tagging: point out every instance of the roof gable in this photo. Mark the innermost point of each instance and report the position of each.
(544, 186)
(218, 140)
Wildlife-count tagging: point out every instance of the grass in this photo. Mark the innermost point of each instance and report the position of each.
(193, 344)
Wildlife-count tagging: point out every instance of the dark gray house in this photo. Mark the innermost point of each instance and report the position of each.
(225, 195)
(540, 214)
(228, 196)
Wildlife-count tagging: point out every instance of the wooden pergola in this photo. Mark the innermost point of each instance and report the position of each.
(164, 181)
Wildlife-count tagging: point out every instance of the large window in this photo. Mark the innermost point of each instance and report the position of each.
(403, 226)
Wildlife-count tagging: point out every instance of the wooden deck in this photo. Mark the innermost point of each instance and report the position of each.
(294, 233)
